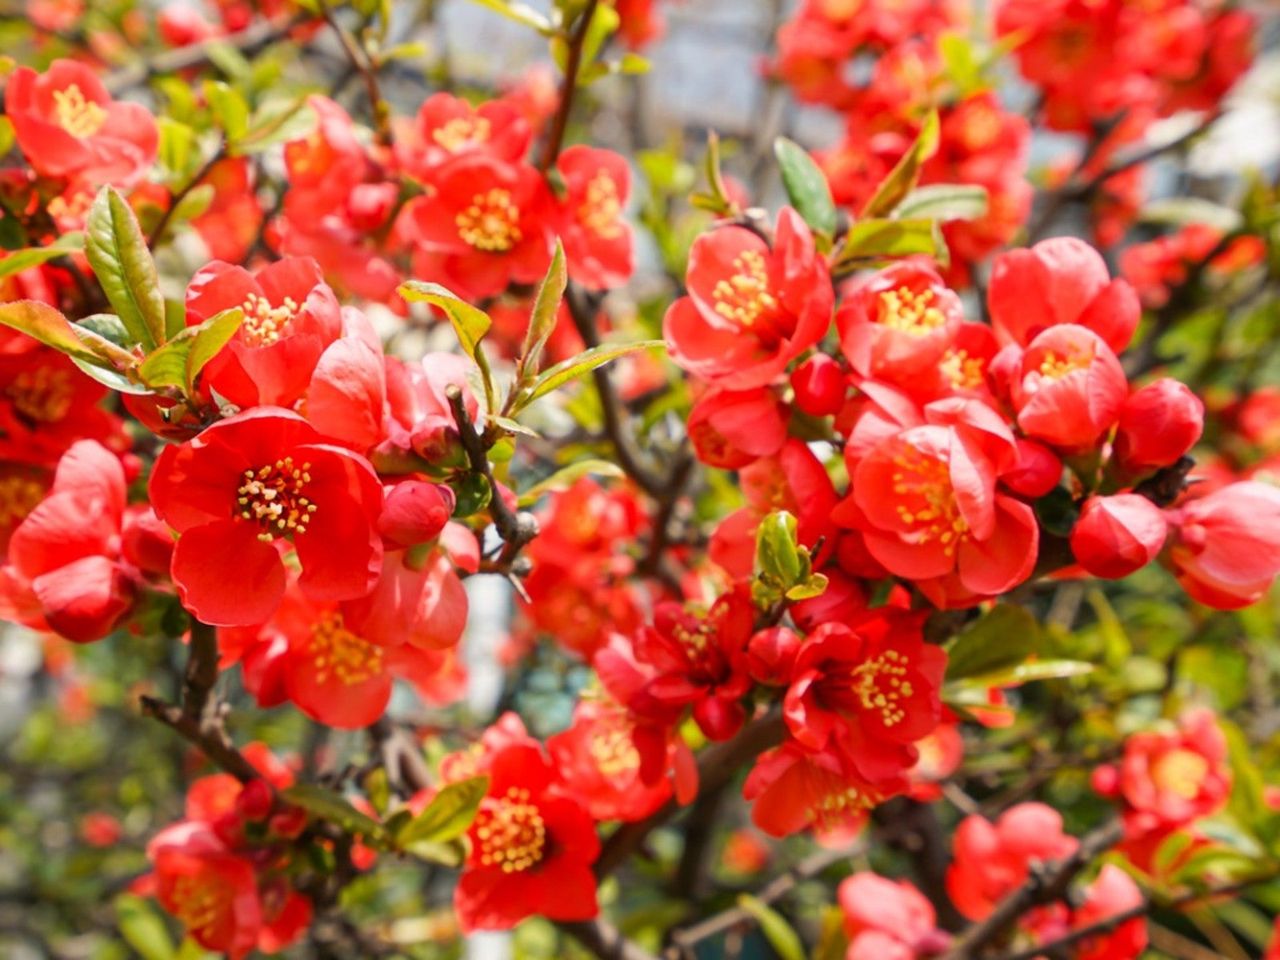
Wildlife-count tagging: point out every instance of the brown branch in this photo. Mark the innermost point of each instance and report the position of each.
(157, 232)
(1042, 886)
(605, 940)
(575, 40)
(400, 757)
(363, 64)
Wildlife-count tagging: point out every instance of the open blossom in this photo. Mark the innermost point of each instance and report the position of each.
(1226, 546)
(597, 237)
(1112, 892)
(752, 308)
(67, 125)
(532, 846)
(1059, 281)
(251, 484)
(447, 126)
(732, 428)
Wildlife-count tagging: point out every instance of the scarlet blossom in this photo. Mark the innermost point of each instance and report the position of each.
(447, 126)
(993, 859)
(898, 322)
(928, 508)
(686, 660)
(230, 225)
(309, 654)
(732, 428)
(640, 22)
(1059, 281)
(532, 847)
(251, 484)
(819, 385)
(887, 919)
(76, 562)
(792, 789)
(290, 316)
(487, 224)
(873, 687)
(1036, 471)
(1226, 546)
(752, 307)
(414, 512)
(1170, 778)
(1112, 892)
(1069, 388)
(600, 765)
(68, 125)
(596, 235)
(1158, 424)
(1117, 535)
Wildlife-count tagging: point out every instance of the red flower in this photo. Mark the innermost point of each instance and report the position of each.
(1117, 535)
(732, 428)
(1226, 549)
(1112, 892)
(486, 225)
(531, 848)
(597, 238)
(247, 486)
(1168, 779)
(1158, 424)
(873, 687)
(751, 308)
(290, 316)
(685, 660)
(69, 568)
(1059, 281)
(418, 600)
(993, 859)
(887, 920)
(898, 323)
(447, 126)
(1069, 388)
(67, 125)
(600, 765)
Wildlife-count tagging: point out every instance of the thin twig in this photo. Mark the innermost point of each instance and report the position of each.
(364, 65)
(560, 123)
(605, 940)
(157, 232)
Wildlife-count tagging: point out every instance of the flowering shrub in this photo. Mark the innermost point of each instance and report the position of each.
(879, 570)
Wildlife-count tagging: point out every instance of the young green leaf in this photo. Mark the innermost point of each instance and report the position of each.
(555, 377)
(903, 177)
(334, 807)
(18, 260)
(806, 186)
(542, 321)
(46, 324)
(210, 337)
(944, 201)
(447, 816)
(880, 239)
(785, 941)
(142, 928)
(118, 254)
(566, 477)
(470, 323)
(1002, 639)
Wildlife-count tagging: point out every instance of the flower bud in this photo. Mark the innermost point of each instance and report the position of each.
(771, 654)
(255, 801)
(732, 428)
(819, 384)
(1036, 471)
(289, 822)
(1158, 424)
(414, 512)
(1227, 550)
(1117, 535)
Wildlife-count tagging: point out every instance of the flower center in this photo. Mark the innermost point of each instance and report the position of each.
(18, 497)
(200, 900)
(935, 515)
(462, 132)
(511, 833)
(614, 753)
(600, 210)
(913, 313)
(492, 222)
(264, 324)
(335, 649)
(1055, 367)
(962, 371)
(744, 297)
(43, 394)
(840, 805)
(76, 115)
(880, 686)
(272, 497)
(1180, 772)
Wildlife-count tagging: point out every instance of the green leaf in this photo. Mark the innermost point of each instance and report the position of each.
(46, 324)
(334, 807)
(566, 477)
(520, 13)
(542, 321)
(470, 323)
(447, 816)
(716, 199)
(961, 62)
(777, 552)
(814, 586)
(902, 178)
(1180, 211)
(449, 854)
(20, 260)
(1002, 639)
(879, 239)
(944, 201)
(555, 377)
(112, 378)
(230, 110)
(210, 337)
(118, 254)
(142, 928)
(196, 201)
(806, 185)
(275, 123)
(785, 941)
(1028, 672)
